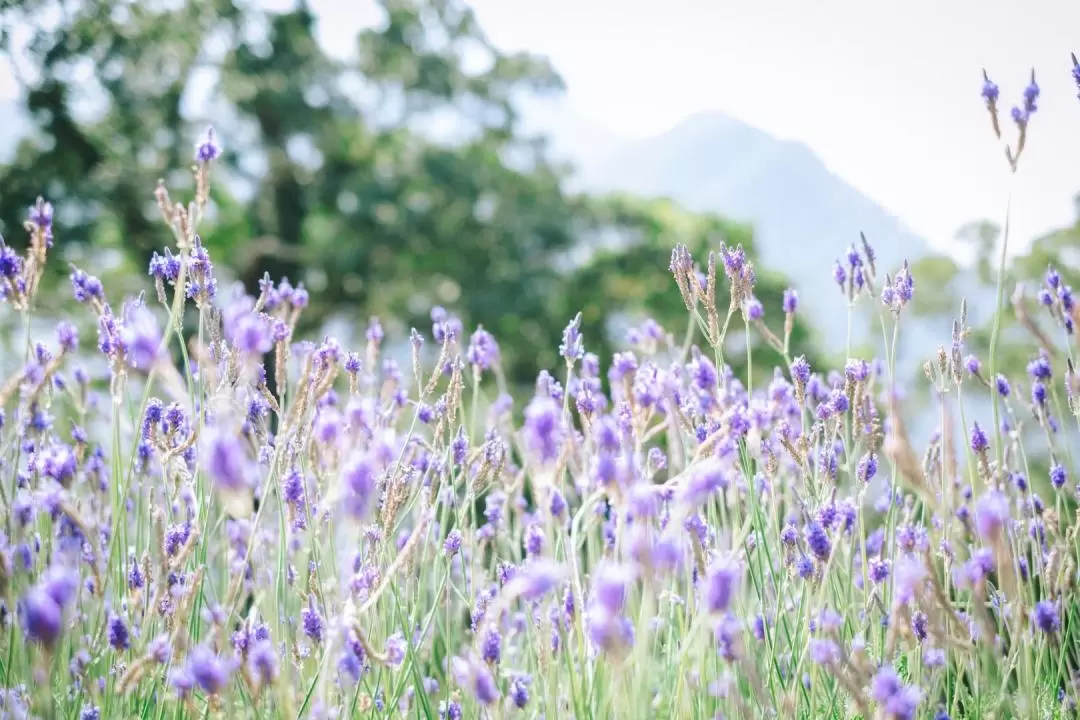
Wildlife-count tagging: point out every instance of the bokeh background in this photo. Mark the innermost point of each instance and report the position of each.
(518, 162)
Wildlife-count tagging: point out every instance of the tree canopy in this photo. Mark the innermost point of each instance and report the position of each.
(389, 183)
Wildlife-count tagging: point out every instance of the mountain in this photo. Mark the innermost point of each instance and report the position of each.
(804, 215)
(571, 137)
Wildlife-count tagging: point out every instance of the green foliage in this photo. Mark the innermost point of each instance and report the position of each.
(332, 174)
(938, 273)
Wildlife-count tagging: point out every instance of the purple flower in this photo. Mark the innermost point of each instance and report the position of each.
(879, 570)
(824, 651)
(41, 217)
(909, 576)
(395, 649)
(612, 586)
(249, 333)
(542, 427)
(735, 265)
(534, 540)
(920, 625)
(608, 631)
(722, 582)
(452, 544)
(207, 670)
(312, 621)
(42, 617)
(10, 263)
(979, 443)
(491, 647)
(361, 486)
(61, 584)
(119, 637)
(972, 364)
(1038, 393)
(67, 336)
(374, 331)
(86, 287)
(705, 479)
(483, 351)
(754, 309)
(886, 684)
(791, 300)
(1057, 476)
(800, 370)
(519, 690)
(572, 347)
(991, 514)
(263, 661)
(1031, 96)
(703, 373)
(208, 148)
(475, 677)
(839, 274)
(818, 540)
(227, 463)
(160, 649)
(1039, 368)
(867, 467)
(1045, 617)
(538, 578)
(141, 337)
(990, 91)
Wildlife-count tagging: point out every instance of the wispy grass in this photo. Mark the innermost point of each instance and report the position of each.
(233, 522)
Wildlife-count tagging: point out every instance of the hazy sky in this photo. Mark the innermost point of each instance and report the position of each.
(887, 93)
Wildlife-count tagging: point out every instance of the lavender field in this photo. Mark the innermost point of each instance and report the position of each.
(208, 514)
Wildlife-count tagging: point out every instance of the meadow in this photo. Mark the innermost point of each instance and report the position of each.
(206, 515)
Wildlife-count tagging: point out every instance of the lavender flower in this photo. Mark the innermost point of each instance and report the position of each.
(572, 347)
(452, 544)
(476, 679)
(207, 670)
(483, 351)
(312, 621)
(839, 274)
(991, 514)
(42, 617)
(208, 148)
(791, 301)
(979, 443)
(119, 637)
(361, 488)
(542, 433)
(818, 541)
(1057, 476)
(722, 584)
(227, 463)
(539, 577)
(263, 662)
(395, 649)
(1045, 617)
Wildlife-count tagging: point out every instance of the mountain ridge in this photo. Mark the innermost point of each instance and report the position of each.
(804, 215)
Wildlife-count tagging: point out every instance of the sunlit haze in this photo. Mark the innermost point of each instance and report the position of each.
(887, 93)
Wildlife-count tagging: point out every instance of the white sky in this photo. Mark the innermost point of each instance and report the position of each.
(886, 91)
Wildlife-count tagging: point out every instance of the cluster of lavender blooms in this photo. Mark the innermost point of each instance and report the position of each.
(236, 521)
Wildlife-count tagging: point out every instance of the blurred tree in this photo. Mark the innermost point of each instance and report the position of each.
(389, 183)
(631, 275)
(982, 237)
(938, 272)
